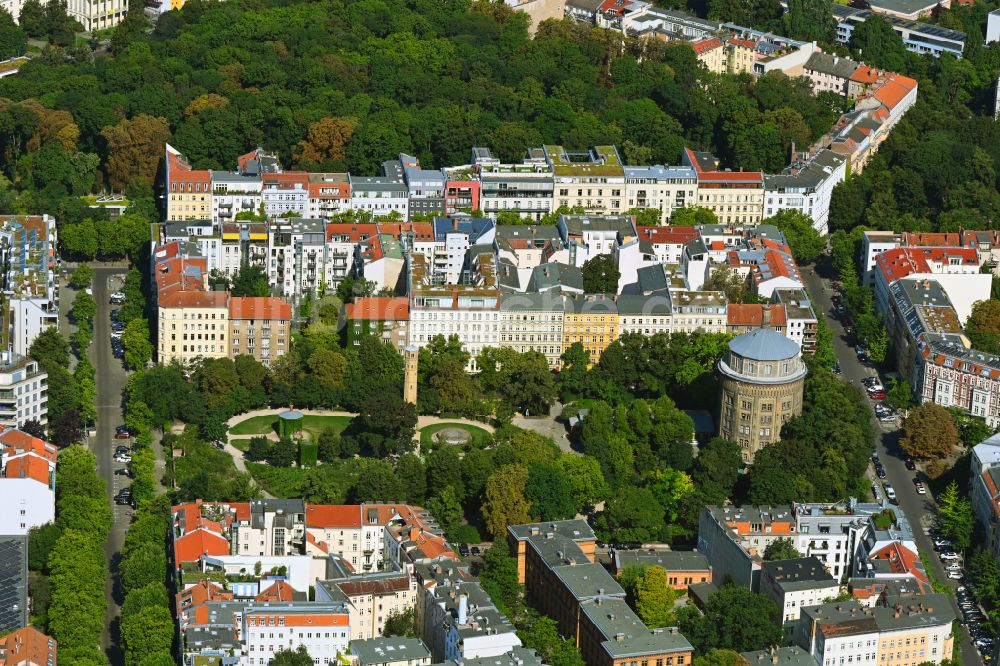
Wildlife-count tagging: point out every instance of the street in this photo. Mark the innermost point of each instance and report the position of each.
(920, 510)
(110, 382)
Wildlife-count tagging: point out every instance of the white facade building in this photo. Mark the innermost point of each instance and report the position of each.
(806, 187)
(23, 391)
(27, 482)
(324, 630)
(233, 194)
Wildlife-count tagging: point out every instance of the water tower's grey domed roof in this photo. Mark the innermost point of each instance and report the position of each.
(763, 344)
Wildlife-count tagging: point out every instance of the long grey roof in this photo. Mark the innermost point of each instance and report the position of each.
(764, 344)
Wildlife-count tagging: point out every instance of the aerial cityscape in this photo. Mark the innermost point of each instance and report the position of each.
(499, 332)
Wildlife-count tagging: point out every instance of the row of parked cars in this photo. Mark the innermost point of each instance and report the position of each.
(117, 329)
(123, 455)
(975, 622)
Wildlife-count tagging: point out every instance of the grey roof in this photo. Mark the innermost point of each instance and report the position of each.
(671, 560)
(830, 64)
(625, 634)
(695, 247)
(637, 304)
(803, 573)
(577, 530)
(764, 344)
(551, 275)
(377, 184)
(389, 649)
(782, 656)
(556, 550)
(904, 6)
(235, 178)
(652, 278)
(807, 176)
(661, 173)
(576, 225)
(586, 581)
(517, 656)
(518, 302)
(13, 582)
(592, 304)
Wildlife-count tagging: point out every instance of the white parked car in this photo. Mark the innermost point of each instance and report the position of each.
(953, 567)
(948, 556)
(955, 575)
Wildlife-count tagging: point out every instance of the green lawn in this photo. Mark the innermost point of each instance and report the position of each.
(266, 424)
(480, 437)
(241, 444)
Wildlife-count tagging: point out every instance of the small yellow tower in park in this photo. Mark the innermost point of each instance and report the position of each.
(411, 356)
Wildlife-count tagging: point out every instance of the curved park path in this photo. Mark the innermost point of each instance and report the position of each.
(422, 422)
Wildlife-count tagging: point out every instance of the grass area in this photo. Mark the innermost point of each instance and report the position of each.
(268, 423)
(480, 437)
(936, 584)
(334, 479)
(240, 444)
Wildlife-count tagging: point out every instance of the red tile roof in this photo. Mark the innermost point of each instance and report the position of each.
(259, 307)
(706, 45)
(191, 546)
(752, 314)
(901, 262)
(668, 235)
(353, 232)
(28, 467)
(866, 75)
(333, 516)
(280, 591)
(201, 592)
(896, 87)
(194, 299)
(27, 645)
(901, 560)
(378, 309)
(14, 441)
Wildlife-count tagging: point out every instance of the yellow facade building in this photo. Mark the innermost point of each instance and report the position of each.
(591, 320)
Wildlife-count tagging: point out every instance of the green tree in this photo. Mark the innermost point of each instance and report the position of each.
(84, 308)
(138, 347)
(734, 618)
(717, 657)
(689, 217)
(601, 275)
(288, 657)
(504, 501)
(250, 280)
(550, 493)
(499, 576)
(32, 19)
(586, 481)
(81, 276)
(150, 631)
(879, 45)
(781, 549)
(402, 623)
(631, 514)
(50, 348)
(956, 517)
(654, 598)
(543, 637)
(929, 432)
(983, 326)
(41, 540)
(802, 237)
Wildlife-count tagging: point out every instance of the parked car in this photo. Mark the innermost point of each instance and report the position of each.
(123, 471)
(121, 449)
(956, 575)
(463, 550)
(953, 567)
(877, 396)
(117, 298)
(921, 490)
(880, 471)
(123, 435)
(948, 556)
(123, 458)
(910, 465)
(836, 368)
(476, 552)
(890, 492)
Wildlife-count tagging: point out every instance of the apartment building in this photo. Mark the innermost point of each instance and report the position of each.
(27, 482)
(949, 373)
(800, 318)
(234, 193)
(370, 600)
(390, 651)
(29, 279)
(259, 327)
(906, 632)
(667, 243)
(382, 196)
(736, 197)
(794, 584)
(323, 629)
(743, 318)
(593, 180)
(297, 257)
(525, 188)
(285, 194)
(831, 73)
(192, 325)
(387, 318)
(956, 270)
(591, 320)
(555, 561)
(533, 322)
(698, 311)
(23, 391)
(666, 189)
(587, 236)
(806, 186)
(329, 194)
(28, 646)
(189, 191)
(984, 490)
(645, 314)
(683, 567)
(460, 621)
